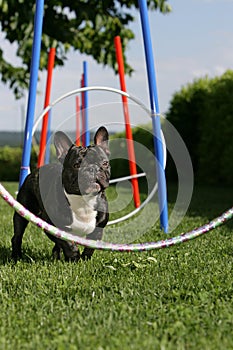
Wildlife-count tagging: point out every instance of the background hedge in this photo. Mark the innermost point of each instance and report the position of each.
(10, 162)
(202, 112)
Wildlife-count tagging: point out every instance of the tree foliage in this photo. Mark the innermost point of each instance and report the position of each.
(202, 112)
(88, 26)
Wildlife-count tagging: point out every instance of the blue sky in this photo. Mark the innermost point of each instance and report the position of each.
(194, 40)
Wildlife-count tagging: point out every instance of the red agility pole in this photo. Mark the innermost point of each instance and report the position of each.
(129, 136)
(78, 143)
(43, 137)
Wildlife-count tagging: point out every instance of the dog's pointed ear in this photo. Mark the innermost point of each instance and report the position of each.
(62, 145)
(101, 139)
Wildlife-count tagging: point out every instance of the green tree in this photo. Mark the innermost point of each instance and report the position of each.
(88, 26)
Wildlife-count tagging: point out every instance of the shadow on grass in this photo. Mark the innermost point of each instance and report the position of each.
(5, 255)
(28, 256)
(207, 201)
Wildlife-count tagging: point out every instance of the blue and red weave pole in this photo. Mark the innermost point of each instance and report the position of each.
(34, 69)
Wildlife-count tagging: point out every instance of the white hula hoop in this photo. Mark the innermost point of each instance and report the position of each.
(136, 101)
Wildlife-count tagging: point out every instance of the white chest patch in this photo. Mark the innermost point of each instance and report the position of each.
(83, 212)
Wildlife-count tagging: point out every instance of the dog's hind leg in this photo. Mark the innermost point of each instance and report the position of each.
(27, 198)
(20, 225)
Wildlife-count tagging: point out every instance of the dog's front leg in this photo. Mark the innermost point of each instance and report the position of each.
(95, 235)
(56, 252)
(70, 250)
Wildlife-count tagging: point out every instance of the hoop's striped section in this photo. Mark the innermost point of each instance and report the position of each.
(227, 215)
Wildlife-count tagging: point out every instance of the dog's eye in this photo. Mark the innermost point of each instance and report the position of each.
(105, 163)
(76, 165)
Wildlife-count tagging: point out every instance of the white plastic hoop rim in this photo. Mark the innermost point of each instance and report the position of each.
(84, 89)
(136, 101)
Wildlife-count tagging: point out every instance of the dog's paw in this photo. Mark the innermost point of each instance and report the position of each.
(56, 252)
(87, 254)
(75, 258)
(16, 255)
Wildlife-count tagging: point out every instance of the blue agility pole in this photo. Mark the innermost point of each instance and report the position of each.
(38, 21)
(154, 103)
(85, 84)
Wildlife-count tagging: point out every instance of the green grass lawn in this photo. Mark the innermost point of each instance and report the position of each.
(175, 298)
